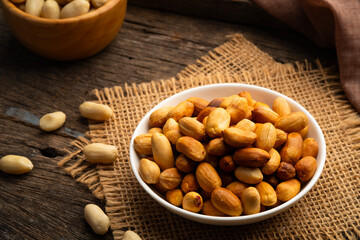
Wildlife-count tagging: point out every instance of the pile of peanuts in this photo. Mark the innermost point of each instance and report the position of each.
(227, 157)
(57, 9)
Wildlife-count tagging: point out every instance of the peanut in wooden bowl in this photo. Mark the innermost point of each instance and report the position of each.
(70, 38)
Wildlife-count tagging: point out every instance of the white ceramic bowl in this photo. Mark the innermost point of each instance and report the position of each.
(210, 92)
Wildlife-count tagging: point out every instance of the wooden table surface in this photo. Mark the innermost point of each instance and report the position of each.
(156, 41)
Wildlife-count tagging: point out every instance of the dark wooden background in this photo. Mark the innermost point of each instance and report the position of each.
(157, 40)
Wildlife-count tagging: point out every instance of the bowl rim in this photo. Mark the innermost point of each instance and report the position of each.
(243, 219)
(39, 20)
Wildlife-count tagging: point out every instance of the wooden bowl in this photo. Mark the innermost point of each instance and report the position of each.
(69, 38)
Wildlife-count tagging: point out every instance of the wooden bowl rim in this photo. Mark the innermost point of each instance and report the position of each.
(21, 14)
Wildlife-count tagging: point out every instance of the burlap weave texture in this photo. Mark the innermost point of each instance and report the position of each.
(329, 211)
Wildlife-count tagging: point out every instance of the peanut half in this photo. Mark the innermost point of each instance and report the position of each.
(291, 152)
(238, 138)
(97, 219)
(267, 194)
(288, 189)
(142, 144)
(130, 235)
(250, 199)
(149, 171)
(305, 168)
(265, 136)
(52, 121)
(91, 110)
(170, 178)
(281, 106)
(207, 177)
(15, 164)
(159, 116)
(191, 127)
(183, 109)
(225, 201)
(191, 148)
(248, 175)
(292, 122)
(218, 121)
(251, 157)
(100, 153)
(162, 151)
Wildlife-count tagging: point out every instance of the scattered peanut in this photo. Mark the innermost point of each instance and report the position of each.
(100, 153)
(97, 219)
(130, 235)
(14, 164)
(52, 121)
(91, 110)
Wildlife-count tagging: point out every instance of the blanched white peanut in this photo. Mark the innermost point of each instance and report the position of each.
(75, 8)
(50, 10)
(100, 153)
(14, 164)
(52, 121)
(96, 218)
(33, 7)
(130, 235)
(91, 110)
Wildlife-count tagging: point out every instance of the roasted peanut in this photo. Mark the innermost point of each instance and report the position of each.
(263, 114)
(217, 147)
(286, 171)
(237, 109)
(281, 138)
(216, 102)
(267, 194)
(162, 151)
(191, 148)
(191, 127)
(310, 148)
(305, 168)
(250, 199)
(225, 201)
(50, 10)
(185, 164)
(149, 171)
(207, 177)
(204, 113)
(288, 189)
(238, 138)
(142, 144)
(199, 104)
(227, 164)
(173, 136)
(96, 218)
(204, 120)
(251, 157)
(192, 202)
(130, 235)
(170, 178)
(237, 188)
(33, 7)
(248, 175)
(226, 102)
(154, 130)
(15, 164)
(210, 210)
(175, 197)
(291, 152)
(52, 121)
(292, 122)
(75, 8)
(218, 121)
(248, 97)
(183, 109)
(94, 111)
(273, 164)
(100, 153)
(246, 125)
(281, 106)
(189, 183)
(159, 117)
(170, 125)
(304, 131)
(265, 136)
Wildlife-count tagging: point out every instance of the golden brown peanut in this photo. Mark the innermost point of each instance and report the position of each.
(207, 177)
(281, 138)
(265, 136)
(162, 151)
(210, 210)
(291, 152)
(273, 164)
(304, 131)
(199, 104)
(217, 147)
(191, 148)
(204, 120)
(159, 117)
(250, 199)
(170, 125)
(261, 104)
(288, 189)
(185, 164)
(237, 109)
(100, 153)
(227, 164)
(130, 235)
(251, 157)
(238, 138)
(237, 188)
(192, 202)
(52, 121)
(15, 164)
(95, 111)
(248, 97)
(225, 201)
(272, 180)
(262, 114)
(226, 102)
(267, 194)
(191, 127)
(212, 159)
(183, 109)
(33, 7)
(96, 218)
(305, 168)
(293, 122)
(310, 148)
(170, 178)
(204, 113)
(281, 106)
(50, 10)
(98, 3)
(189, 183)
(149, 171)
(160, 187)
(218, 121)
(175, 197)
(246, 125)
(249, 114)
(248, 175)
(286, 171)
(75, 8)
(216, 102)
(154, 130)
(226, 177)
(142, 144)
(173, 136)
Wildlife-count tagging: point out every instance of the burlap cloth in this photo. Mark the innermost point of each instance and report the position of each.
(329, 211)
